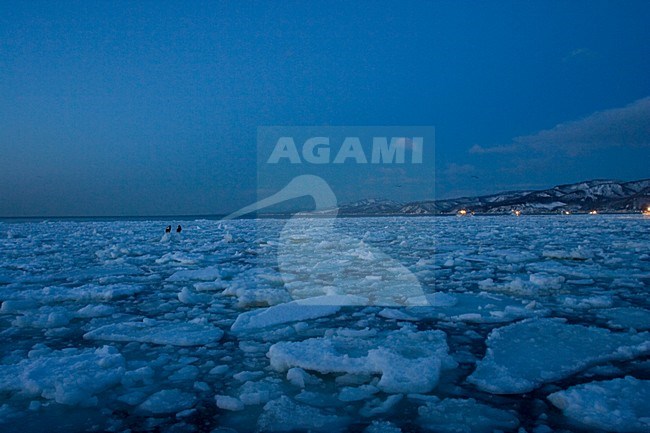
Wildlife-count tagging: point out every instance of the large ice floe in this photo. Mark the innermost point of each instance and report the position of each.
(522, 356)
(618, 405)
(534, 324)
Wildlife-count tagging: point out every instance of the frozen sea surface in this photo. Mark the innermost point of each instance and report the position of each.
(480, 324)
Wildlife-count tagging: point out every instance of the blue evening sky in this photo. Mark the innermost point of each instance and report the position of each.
(152, 108)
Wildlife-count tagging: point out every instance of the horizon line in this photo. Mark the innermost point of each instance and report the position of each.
(282, 213)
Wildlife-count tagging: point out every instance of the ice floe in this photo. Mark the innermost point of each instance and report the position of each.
(407, 361)
(47, 373)
(167, 401)
(283, 313)
(157, 332)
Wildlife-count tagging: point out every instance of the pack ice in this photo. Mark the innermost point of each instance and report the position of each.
(390, 324)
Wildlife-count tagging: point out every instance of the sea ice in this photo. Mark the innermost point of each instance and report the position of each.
(338, 345)
(95, 310)
(586, 302)
(299, 377)
(464, 416)
(285, 415)
(382, 427)
(187, 296)
(168, 401)
(260, 392)
(226, 402)
(206, 274)
(17, 306)
(362, 392)
(378, 406)
(343, 266)
(89, 292)
(627, 318)
(479, 307)
(391, 313)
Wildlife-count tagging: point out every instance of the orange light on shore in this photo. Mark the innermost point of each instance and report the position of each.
(517, 212)
(462, 212)
(566, 212)
(646, 211)
(593, 212)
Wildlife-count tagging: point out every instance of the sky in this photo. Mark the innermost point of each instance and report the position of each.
(154, 108)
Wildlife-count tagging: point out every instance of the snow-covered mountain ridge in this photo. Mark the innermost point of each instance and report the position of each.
(599, 195)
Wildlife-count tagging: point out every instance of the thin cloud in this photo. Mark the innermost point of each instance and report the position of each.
(477, 149)
(625, 126)
(580, 53)
(454, 169)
